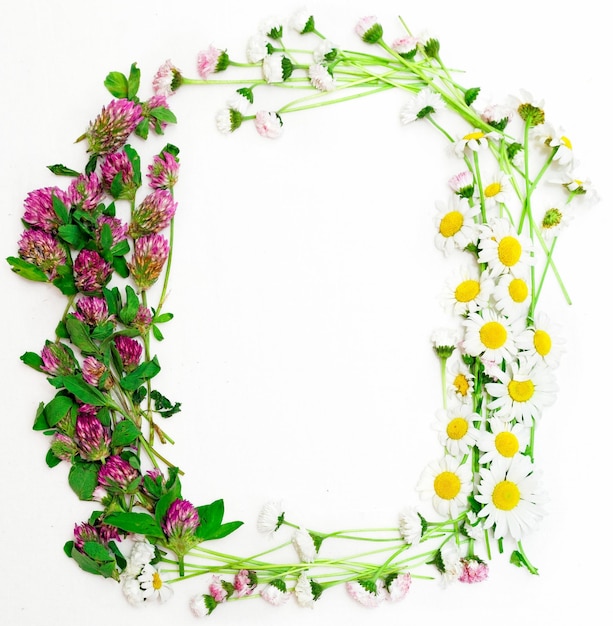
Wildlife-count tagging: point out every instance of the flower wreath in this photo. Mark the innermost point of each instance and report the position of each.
(497, 358)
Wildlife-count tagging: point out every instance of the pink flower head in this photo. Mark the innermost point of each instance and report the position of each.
(369, 29)
(92, 438)
(153, 214)
(463, 184)
(57, 359)
(83, 533)
(119, 230)
(268, 124)
(245, 582)
(85, 192)
(275, 592)
(91, 272)
(92, 370)
(150, 254)
(158, 101)
(367, 592)
(143, 319)
(129, 350)
(398, 585)
(39, 211)
(474, 570)
(405, 46)
(92, 310)
(111, 129)
(63, 447)
(211, 60)
(219, 589)
(43, 250)
(321, 77)
(181, 520)
(117, 166)
(164, 171)
(117, 474)
(167, 79)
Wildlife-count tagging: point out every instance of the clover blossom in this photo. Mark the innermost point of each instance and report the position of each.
(91, 272)
(164, 171)
(63, 447)
(43, 250)
(156, 122)
(85, 192)
(117, 474)
(117, 170)
(93, 370)
(129, 350)
(118, 230)
(212, 60)
(150, 255)
(143, 319)
(110, 130)
(57, 359)
(39, 211)
(91, 310)
(153, 214)
(167, 79)
(93, 440)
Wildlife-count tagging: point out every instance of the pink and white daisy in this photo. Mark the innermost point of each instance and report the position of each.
(268, 124)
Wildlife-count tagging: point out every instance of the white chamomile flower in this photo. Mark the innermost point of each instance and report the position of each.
(512, 296)
(455, 225)
(510, 493)
(503, 249)
(554, 138)
(456, 430)
(473, 141)
(153, 585)
(554, 221)
(542, 341)
(461, 382)
(522, 391)
(447, 483)
(423, 103)
(503, 441)
(497, 190)
(490, 336)
(467, 291)
(412, 525)
(581, 190)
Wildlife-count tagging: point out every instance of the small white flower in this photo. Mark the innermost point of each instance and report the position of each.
(132, 590)
(300, 20)
(425, 102)
(153, 585)
(270, 518)
(503, 441)
(268, 124)
(456, 431)
(197, 605)
(399, 587)
(321, 78)
(498, 190)
(304, 592)
(411, 525)
(450, 557)
(542, 341)
(447, 483)
(555, 138)
(323, 48)
(304, 545)
(445, 338)
(503, 249)
(491, 336)
(272, 68)
(512, 296)
(461, 382)
(275, 593)
(369, 595)
(473, 141)
(271, 26)
(467, 290)
(142, 554)
(223, 121)
(256, 48)
(455, 226)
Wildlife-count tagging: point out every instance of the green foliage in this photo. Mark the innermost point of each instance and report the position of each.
(83, 479)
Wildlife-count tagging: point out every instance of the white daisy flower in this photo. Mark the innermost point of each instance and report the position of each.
(490, 336)
(256, 48)
(503, 441)
(451, 561)
(498, 190)
(463, 183)
(272, 68)
(554, 138)
(399, 587)
(522, 391)
(270, 518)
(473, 141)
(304, 545)
(153, 585)
(554, 221)
(271, 26)
(322, 49)
(467, 291)
(503, 249)
(473, 526)
(447, 483)
(321, 78)
(304, 592)
(412, 525)
(497, 114)
(456, 431)
(275, 592)
(461, 382)
(369, 595)
(132, 590)
(424, 102)
(511, 498)
(455, 225)
(512, 296)
(444, 341)
(197, 605)
(300, 19)
(542, 341)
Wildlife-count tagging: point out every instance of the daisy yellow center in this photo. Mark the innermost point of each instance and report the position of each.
(156, 581)
(467, 290)
(457, 428)
(451, 223)
(518, 290)
(461, 384)
(492, 190)
(506, 495)
(476, 135)
(521, 390)
(542, 342)
(509, 251)
(506, 443)
(493, 335)
(447, 485)
(566, 141)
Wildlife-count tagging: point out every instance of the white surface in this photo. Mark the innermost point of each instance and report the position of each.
(304, 296)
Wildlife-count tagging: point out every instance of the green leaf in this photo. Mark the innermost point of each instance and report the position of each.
(125, 433)
(103, 566)
(145, 371)
(80, 336)
(117, 84)
(133, 81)
(65, 281)
(84, 391)
(223, 530)
(129, 311)
(142, 130)
(139, 523)
(120, 266)
(61, 210)
(58, 409)
(120, 248)
(83, 479)
(157, 333)
(134, 158)
(40, 421)
(163, 318)
(27, 270)
(33, 360)
(471, 95)
(51, 459)
(163, 115)
(62, 170)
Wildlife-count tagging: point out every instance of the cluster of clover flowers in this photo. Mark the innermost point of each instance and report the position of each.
(498, 355)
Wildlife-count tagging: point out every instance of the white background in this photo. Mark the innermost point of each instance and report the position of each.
(304, 296)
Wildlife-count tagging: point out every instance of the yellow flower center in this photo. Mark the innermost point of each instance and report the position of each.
(451, 223)
(506, 443)
(542, 342)
(509, 251)
(492, 190)
(447, 485)
(493, 335)
(521, 390)
(518, 290)
(457, 428)
(506, 495)
(461, 384)
(476, 135)
(467, 290)
(157, 581)
(566, 141)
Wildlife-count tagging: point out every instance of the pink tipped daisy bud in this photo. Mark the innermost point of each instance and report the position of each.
(129, 350)
(245, 582)
(143, 319)
(63, 447)
(150, 255)
(92, 310)
(398, 585)
(369, 29)
(212, 60)
(367, 592)
(85, 192)
(91, 272)
(92, 438)
(497, 115)
(228, 120)
(405, 46)
(474, 570)
(43, 250)
(164, 171)
(220, 589)
(117, 229)
(57, 359)
(463, 184)
(111, 129)
(153, 214)
(39, 211)
(117, 174)
(93, 371)
(167, 80)
(116, 474)
(321, 78)
(275, 592)
(268, 124)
